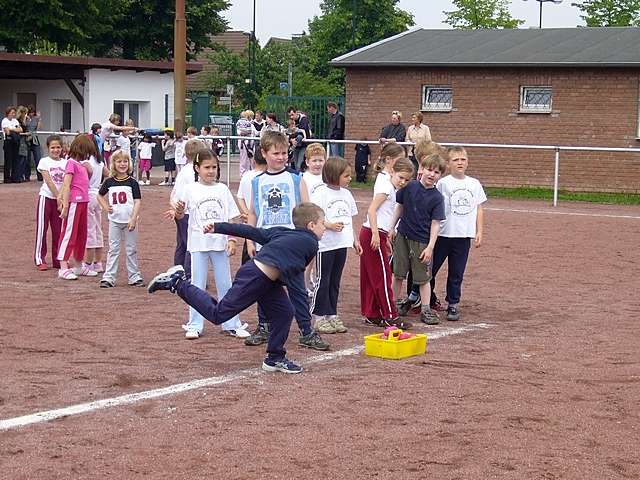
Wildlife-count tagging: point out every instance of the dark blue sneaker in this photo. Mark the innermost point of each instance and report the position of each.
(284, 366)
(167, 280)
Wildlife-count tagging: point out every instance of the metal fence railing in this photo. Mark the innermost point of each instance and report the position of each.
(555, 149)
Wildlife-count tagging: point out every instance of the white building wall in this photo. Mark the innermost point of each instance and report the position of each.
(148, 89)
(50, 95)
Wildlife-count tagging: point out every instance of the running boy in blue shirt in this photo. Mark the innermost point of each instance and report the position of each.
(420, 207)
(260, 280)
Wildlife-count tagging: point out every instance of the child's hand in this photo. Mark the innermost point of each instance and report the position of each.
(375, 241)
(132, 224)
(180, 207)
(244, 217)
(425, 256)
(478, 239)
(231, 247)
(392, 235)
(209, 228)
(357, 247)
(251, 249)
(169, 214)
(64, 211)
(336, 227)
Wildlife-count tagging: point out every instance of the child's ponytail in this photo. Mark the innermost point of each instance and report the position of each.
(390, 150)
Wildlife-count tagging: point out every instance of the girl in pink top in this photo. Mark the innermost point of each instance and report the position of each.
(72, 203)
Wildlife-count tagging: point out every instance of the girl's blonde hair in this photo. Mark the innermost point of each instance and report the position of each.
(117, 155)
(390, 150)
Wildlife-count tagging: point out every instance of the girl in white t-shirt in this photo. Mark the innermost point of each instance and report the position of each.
(208, 201)
(95, 241)
(52, 169)
(376, 294)
(339, 209)
(181, 159)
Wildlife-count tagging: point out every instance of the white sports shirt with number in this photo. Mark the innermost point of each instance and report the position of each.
(120, 193)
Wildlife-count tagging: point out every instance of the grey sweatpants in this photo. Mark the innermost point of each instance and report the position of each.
(116, 232)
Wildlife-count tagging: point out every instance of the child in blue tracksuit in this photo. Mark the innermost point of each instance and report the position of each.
(260, 280)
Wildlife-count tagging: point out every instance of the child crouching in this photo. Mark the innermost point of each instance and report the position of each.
(260, 280)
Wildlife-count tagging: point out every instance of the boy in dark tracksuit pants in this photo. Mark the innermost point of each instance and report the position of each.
(260, 280)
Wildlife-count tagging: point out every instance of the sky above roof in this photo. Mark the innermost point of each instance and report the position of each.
(283, 18)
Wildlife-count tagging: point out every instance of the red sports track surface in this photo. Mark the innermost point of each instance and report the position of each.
(539, 380)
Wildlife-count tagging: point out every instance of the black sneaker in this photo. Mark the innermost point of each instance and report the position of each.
(406, 306)
(259, 336)
(453, 314)
(374, 321)
(313, 340)
(106, 284)
(429, 317)
(167, 280)
(398, 322)
(137, 283)
(437, 306)
(285, 366)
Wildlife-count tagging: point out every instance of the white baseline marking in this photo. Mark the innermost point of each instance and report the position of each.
(546, 212)
(577, 214)
(128, 399)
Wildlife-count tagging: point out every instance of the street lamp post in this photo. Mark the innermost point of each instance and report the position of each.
(541, 2)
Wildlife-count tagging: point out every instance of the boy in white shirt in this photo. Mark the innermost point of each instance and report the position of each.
(463, 199)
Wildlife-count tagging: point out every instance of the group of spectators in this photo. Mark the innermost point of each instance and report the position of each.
(21, 144)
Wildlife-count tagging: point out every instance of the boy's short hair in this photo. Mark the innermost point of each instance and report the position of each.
(192, 130)
(191, 148)
(425, 148)
(272, 139)
(306, 212)
(207, 129)
(457, 149)
(434, 161)
(314, 149)
(332, 105)
(116, 156)
(333, 168)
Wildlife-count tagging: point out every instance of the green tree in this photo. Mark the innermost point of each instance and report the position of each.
(610, 13)
(345, 25)
(27, 26)
(144, 30)
(475, 14)
(120, 28)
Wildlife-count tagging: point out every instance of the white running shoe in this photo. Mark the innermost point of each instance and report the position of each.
(85, 271)
(192, 334)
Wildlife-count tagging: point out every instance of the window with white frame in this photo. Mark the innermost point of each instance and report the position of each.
(536, 99)
(127, 110)
(437, 98)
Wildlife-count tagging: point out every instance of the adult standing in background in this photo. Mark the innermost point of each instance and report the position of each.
(257, 124)
(111, 126)
(272, 124)
(22, 171)
(33, 124)
(416, 132)
(394, 131)
(336, 130)
(11, 130)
